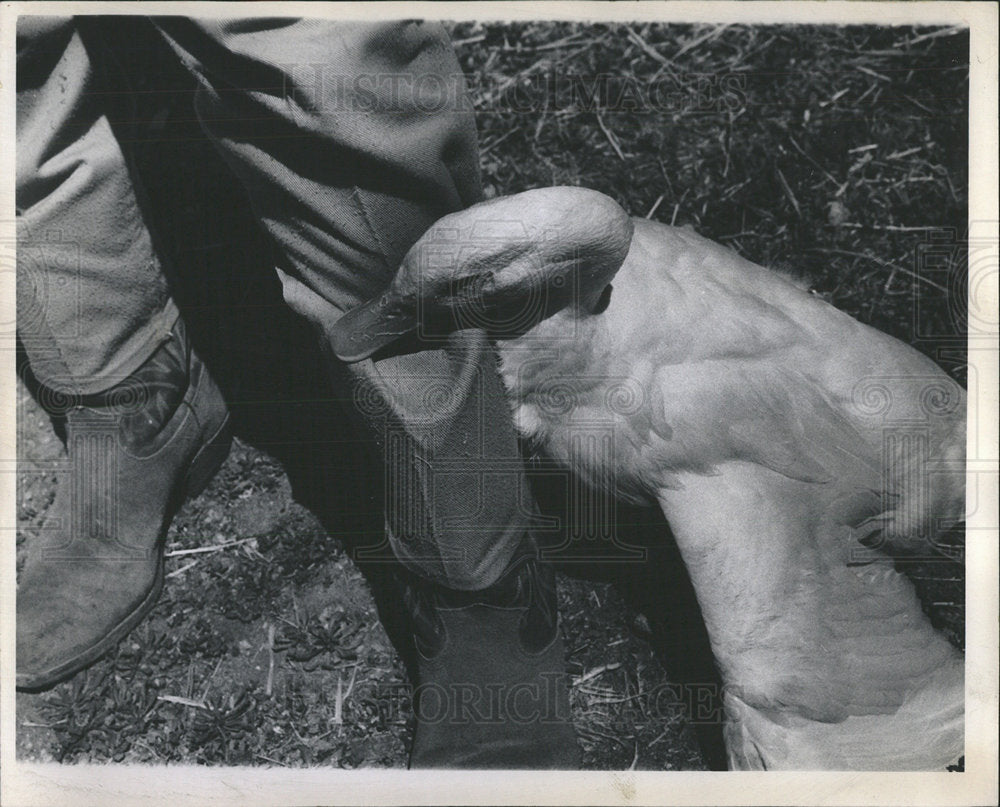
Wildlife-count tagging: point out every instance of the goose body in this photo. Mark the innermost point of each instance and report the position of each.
(775, 432)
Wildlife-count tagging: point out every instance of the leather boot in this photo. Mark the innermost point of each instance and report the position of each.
(492, 689)
(135, 452)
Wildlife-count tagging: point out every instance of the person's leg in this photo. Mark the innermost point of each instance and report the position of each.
(351, 140)
(344, 187)
(107, 353)
(92, 301)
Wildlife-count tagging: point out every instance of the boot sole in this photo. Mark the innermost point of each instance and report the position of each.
(203, 467)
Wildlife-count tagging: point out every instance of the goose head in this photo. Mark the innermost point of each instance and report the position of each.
(503, 265)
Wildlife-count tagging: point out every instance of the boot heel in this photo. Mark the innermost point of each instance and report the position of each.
(208, 460)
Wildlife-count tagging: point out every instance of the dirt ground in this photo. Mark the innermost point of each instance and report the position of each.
(266, 648)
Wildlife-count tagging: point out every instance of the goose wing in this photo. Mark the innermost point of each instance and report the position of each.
(742, 364)
(711, 411)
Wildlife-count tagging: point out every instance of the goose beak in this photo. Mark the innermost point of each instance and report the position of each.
(364, 330)
(503, 240)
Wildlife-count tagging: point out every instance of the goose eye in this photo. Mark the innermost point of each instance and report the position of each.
(603, 301)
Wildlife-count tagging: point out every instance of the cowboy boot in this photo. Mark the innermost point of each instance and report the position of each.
(492, 689)
(135, 452)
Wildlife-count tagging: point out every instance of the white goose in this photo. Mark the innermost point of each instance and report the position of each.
(775, 432)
